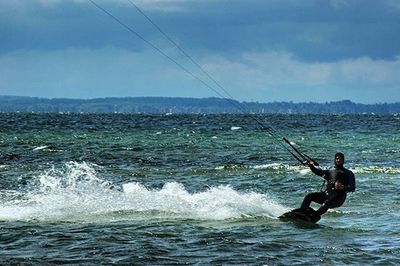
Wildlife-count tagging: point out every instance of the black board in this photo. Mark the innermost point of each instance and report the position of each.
(307, 215)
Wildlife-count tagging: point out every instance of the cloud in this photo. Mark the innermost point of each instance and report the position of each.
(339, 4)
(310, 30)
(160, 5)
(283, 69)
(280, 76)
(263, 76)
(85, 73)
(279, 48)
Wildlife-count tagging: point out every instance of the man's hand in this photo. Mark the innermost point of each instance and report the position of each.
(338, 186)
(309, 162)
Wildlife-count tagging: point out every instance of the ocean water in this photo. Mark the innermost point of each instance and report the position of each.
(193, 189)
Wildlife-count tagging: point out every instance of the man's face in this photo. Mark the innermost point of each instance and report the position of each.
(339, 161)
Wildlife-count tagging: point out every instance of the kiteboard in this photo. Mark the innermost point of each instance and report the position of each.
(307, 215)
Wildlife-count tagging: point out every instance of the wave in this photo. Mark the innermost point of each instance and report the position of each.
(282, 167)
(374, 169)
(268, 166)
(75, 193)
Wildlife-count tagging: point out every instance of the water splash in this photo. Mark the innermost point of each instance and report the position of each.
(216, 203)
(76, 193)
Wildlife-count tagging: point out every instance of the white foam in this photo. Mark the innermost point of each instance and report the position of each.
(305, 170)
(75, 193)
(376, 169)
(216, 203)
(40, 148)
(269, 166)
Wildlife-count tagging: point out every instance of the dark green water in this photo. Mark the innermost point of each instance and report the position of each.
(192, 189)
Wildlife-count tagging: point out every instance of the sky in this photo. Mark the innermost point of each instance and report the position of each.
(253, 50)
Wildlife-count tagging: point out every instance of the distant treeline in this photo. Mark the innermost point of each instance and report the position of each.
(186, 105)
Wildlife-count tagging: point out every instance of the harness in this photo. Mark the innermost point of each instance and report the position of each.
(348, 175)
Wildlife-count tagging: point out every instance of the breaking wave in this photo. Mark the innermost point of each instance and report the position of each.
(76, 193)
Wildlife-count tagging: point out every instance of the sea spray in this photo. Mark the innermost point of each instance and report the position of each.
(74, 192)
(217, 203)
(58, 194)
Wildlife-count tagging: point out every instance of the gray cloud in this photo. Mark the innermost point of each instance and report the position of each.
(310, 30)
(259, 49)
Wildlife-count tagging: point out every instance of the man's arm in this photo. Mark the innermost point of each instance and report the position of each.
(318, 171)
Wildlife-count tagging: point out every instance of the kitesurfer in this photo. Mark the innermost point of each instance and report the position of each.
(339, 181)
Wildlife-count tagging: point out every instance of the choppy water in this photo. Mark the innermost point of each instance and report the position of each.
(192, 189)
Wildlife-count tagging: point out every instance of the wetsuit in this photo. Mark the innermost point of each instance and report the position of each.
(330, 198)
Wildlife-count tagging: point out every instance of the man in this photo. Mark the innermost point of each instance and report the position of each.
(340, 181)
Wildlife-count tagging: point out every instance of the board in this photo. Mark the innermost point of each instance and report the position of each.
(307, 215)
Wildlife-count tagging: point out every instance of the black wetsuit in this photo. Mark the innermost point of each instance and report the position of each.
(330, 198)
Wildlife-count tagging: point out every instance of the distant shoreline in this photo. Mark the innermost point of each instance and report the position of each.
(157, 105)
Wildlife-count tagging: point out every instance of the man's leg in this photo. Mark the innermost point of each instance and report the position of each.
(318, 197)
(330, 204)
(323, 209)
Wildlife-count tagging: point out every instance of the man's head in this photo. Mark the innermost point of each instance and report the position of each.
(339, 159)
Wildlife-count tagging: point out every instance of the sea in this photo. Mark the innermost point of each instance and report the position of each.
(193, 189)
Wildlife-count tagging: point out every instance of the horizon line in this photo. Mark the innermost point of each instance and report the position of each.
(196, 98)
